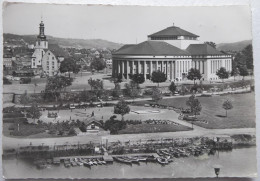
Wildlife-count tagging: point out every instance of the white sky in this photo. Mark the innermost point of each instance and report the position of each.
(128, 24)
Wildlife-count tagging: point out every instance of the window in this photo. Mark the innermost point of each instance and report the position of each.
(47, 62)
(52, 58)
(52, 67)
(52, 63)
(47, 67)
(49, 53)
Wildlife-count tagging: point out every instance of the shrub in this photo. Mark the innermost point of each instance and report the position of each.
(26, 80)
(15, 120)
(13, 115)
(6, 81)
(114, 125)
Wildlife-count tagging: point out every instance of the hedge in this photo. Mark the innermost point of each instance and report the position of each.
(13, 115)
(15, 120)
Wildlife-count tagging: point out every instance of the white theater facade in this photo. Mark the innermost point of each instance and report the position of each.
(173, 51)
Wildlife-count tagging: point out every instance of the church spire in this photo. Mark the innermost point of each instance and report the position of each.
(41, 35)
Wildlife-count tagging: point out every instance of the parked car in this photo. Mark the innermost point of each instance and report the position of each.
(9, 77)
(17, 78)
(72, 106)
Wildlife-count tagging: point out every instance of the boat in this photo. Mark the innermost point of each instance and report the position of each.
(87, 164)
(94, 162)
(99, 162)
(41, 165)
(79, 162)
(151, 159)
(90, 162)
(141, 158)
(122, 160)
(56, 161)
(162, 161)
(132, 159)
(67, 163)
(165, 152)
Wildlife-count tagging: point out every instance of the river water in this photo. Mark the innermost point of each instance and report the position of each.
(238, 163)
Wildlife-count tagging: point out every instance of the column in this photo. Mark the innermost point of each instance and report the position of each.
(156, 67)
(127, 69)
(171, 70)
(119, 67)
(138, 67)
(151, 68)
(145, 69)
(122, 69)
(166, 69)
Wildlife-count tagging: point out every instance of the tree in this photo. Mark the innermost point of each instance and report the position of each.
(6, 81)
(98, 64)
(55, 85)
(235, 72)
(69, 65)
(245, 58)
(117, 90)
(34, 112)
(194, 74)
(138, 78)
(194, 105)
(243, 72)
(121, 108)
(24, 98)
(157, 95)
(85, 96)
(35, 85)
(247, 52)
(97, 86)
(158, 77)
(132, 89)
(212, 44)
(222, 73)
(227, 105)
(172, 87)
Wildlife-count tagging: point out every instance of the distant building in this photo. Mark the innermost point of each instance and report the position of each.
(50, 65)
(7, 62)
(173, 51)
(109, 63)
(17, 65)
(42, 58)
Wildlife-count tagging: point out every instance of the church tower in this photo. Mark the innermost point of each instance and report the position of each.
(40, 48)
(41, 42)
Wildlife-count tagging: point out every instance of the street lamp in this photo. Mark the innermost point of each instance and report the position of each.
(217, 169)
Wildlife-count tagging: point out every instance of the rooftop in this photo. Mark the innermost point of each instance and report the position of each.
(172, 31)
(202, 49)
(150, 48)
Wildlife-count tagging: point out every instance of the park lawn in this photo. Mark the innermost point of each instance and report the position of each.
(152, 128)
(241, 116)
(25, 129)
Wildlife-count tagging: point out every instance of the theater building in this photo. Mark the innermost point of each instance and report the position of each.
(173, 51)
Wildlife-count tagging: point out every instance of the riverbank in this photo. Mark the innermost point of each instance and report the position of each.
(236, 163)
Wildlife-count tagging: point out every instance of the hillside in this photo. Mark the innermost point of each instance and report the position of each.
(65, 42)
(236, 46)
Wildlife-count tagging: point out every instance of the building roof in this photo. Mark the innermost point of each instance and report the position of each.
(172, 31)
(203, 49)
(150, 48)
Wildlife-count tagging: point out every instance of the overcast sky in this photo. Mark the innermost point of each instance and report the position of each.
(128, 24)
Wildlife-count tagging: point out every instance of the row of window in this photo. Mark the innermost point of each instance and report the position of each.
(49, 62)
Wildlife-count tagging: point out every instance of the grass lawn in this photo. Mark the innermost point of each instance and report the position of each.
(241, 116)
(152, 128)
(24, 129)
